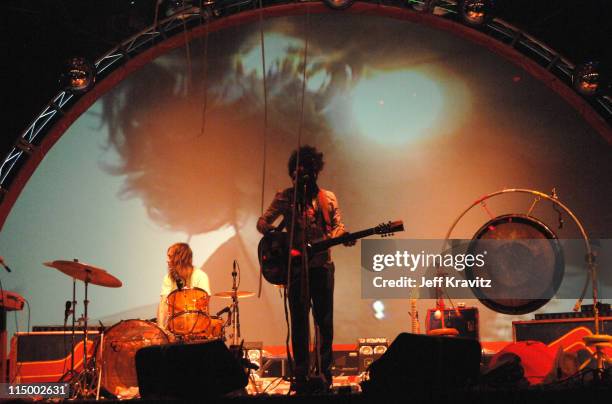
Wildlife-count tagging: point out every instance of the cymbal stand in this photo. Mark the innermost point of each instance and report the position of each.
(85, 318)
(234, 317)
(86, 380)
(101, 355)
(70, 374)
(73, 323)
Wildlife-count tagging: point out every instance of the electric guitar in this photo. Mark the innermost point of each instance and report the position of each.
(273, 249)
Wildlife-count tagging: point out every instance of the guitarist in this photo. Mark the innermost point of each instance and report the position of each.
(317, 217)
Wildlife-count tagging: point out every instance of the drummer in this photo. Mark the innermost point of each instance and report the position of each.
(180, 273)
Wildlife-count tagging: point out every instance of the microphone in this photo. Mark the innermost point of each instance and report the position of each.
(177, 279)
(4, 265)
(67, 311)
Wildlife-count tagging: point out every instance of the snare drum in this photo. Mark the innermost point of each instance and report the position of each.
(116, 360)
(188, 311)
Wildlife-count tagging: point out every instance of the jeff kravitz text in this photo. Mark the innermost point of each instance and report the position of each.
(436, 282)
(421, 262)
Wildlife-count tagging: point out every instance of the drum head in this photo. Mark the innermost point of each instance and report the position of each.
(525, 271)
(188, 299)
(188, 311)
(117, 357)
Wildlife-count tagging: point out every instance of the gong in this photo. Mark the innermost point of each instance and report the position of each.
(524, 261)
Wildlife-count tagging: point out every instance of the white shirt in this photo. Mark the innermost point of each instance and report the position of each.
(199, 279)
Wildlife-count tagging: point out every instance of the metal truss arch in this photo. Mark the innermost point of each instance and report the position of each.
(63, 109)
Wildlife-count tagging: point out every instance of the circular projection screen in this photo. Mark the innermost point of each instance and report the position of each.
(414, 124)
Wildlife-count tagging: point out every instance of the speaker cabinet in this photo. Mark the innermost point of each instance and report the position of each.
(422, 361)
(201, 370)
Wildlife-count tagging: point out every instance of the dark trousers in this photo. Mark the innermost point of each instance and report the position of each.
(322, 298)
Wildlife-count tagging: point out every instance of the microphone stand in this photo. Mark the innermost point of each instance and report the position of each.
(305, 278)
(71, 373)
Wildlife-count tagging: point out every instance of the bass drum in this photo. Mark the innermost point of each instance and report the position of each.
(116, 360)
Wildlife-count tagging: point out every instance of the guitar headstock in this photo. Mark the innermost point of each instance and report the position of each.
(387, 229)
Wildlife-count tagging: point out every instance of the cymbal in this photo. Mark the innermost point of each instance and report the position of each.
(85, 272)
(230, 293)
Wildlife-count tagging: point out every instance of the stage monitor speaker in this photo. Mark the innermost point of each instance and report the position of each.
(422, 362)
(178, 371)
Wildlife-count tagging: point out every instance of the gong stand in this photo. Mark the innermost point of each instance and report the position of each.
(597, 340)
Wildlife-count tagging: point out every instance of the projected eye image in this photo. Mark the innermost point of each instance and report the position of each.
(414, 124)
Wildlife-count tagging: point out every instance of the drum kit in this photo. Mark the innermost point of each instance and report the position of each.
(112, 368)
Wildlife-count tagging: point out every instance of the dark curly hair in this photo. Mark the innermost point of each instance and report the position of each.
(310, 158)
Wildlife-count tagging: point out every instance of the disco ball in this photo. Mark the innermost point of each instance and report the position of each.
(587, 78)
(79, 74)
(339, 4)
(475, 12)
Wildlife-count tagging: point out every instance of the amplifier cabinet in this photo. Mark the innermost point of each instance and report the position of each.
(46, 356)
(463, 319)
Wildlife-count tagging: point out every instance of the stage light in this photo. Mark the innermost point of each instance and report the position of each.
(175, 5)
(475, 12)
(338, 4)
(185, 7)
(423, 6)
(587, 78)
(80, 74)
(379, 309)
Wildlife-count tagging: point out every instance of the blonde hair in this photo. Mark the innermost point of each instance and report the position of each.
(181, 262)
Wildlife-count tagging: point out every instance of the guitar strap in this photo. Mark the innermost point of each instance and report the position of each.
(324, 205)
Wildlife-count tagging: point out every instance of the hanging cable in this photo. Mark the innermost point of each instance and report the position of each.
(295, 185)
(188, 53)
(204, 80)
(265, 124)
(265, 105)
(156, 15)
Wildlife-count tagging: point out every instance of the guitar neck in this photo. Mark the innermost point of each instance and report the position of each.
(325, 244)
